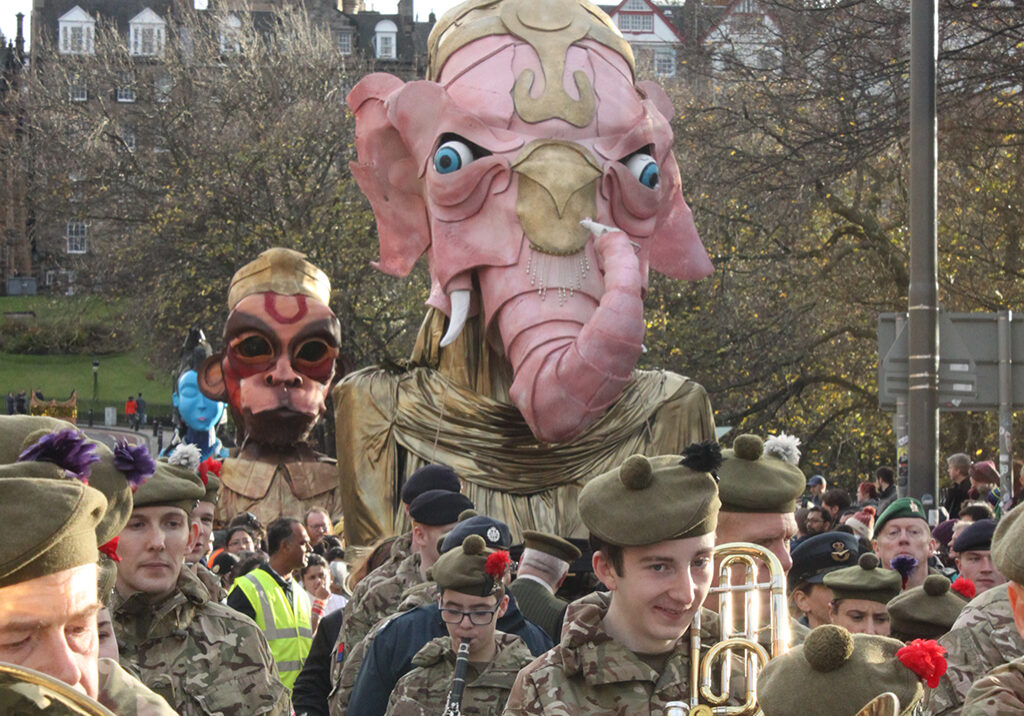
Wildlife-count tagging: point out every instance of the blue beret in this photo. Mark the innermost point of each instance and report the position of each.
(977, 536)
(439, 507)
(430, 477)
(818, 555)
(495, 533)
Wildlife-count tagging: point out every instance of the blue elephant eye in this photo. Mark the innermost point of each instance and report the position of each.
(644, 168)
(452, 156)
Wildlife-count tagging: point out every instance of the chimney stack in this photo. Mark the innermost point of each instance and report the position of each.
(19, 41)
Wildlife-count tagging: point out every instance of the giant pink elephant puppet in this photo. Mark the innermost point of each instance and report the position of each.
(533, 123)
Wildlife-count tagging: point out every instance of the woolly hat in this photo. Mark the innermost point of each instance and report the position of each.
(862, 522)
(985, 471)
(1008, 545)
(903, 507)
(761, 476)
(864, 580)
(818, 555)
(976, 537)
(471, 568)
(551, 544)
(925, 612)
(430, 477)
(649, 500)
(438, 507)
(209, 470)
(858, 667)
(171, 486)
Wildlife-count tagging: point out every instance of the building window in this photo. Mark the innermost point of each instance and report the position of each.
(636, 22)
(345, 43)
(48, 277)
(386, 34)
(76, 32)
(162, 88)
(125, 87)
(638, 5)
(128, 137)
(78, 237)
(231, 34)
(664, 62)
(147, 34)
(79, 91)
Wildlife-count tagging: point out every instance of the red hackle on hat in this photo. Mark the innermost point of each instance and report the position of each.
(210, 464)
(497, 563)
(110, 549)
(925, 658)
(964, 587)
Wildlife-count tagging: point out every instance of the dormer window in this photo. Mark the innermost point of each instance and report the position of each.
(147, 33)
(385, 37)
(77, 29)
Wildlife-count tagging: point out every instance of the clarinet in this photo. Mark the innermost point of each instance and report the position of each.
(453, 706)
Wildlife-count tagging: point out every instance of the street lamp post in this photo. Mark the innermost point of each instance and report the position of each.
(95, 388)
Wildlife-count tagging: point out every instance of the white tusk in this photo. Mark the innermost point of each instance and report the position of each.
(595, 228)
(460, 310)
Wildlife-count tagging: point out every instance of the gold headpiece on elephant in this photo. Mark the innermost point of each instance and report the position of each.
(550, 28)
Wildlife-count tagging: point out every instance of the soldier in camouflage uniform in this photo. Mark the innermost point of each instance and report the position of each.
(433, 513)
(624, 652)
(202, 515)
(471, 580)
(1001, 691)
(202, 657)
(50, 584)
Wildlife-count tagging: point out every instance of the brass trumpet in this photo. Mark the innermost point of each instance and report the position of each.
(740, 637)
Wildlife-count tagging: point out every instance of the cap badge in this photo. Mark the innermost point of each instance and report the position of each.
(493, 535)
(913, 507)
(839, 552)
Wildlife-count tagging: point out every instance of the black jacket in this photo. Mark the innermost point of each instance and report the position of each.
(389, 656)
(313, 685)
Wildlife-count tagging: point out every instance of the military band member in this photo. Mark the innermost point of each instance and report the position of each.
(860, 594)
(973, 547)
(813, 559)
(472, 598)
(652, 523)
(903, 540)
(925, 612)
(203, 657)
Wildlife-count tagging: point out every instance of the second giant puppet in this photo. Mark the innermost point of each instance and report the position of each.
(524, 374)
(280, 346)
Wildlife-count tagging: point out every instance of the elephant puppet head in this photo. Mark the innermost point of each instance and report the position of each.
(531, 122)
(280, 346)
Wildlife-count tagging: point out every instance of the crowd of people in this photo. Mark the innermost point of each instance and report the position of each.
(115, 582)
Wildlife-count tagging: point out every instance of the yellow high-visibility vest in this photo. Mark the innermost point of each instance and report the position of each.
(287, 627)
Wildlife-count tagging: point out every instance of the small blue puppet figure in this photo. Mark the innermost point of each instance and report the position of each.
(198, 416)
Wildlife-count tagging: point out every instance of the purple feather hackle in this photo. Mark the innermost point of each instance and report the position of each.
(905, 565)
(134, 461)
(68, 448)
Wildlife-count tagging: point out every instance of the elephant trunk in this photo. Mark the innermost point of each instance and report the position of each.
(572, 360)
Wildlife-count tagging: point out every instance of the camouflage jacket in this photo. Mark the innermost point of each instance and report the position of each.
(125, 695)
(983, 637)
(401, 548)
(204, 658)
(380, 601)
(590, 673)
(210, 580)
(424, 690)
(998, 693)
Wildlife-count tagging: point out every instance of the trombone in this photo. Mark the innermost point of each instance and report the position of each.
(740, 637)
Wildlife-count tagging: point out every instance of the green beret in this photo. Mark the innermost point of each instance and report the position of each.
(903, 507)
(49, 526)
(761, 476)
(18, 432)
(27, 691)
(212, 489)
(1008, 546)
(925, 612)
(864, 580)
(465, 568)
(649, 500)
(171, 486)
(857, 667)
(551, 544)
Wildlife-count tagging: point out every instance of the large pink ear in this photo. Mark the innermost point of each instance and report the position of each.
(387, 174)
(676, 248)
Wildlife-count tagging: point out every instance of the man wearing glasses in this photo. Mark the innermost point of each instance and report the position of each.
(471, 597)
